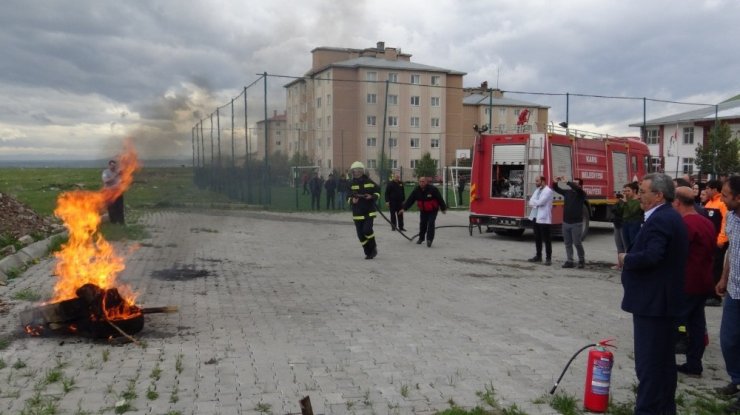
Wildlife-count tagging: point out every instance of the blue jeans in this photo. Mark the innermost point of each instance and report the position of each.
(729, 337)
(572, 235)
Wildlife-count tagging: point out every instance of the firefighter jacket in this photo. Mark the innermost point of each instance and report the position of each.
(717, 213)
(428, 199)
(364, 208)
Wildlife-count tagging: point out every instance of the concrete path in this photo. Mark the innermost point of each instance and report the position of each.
(274, 307)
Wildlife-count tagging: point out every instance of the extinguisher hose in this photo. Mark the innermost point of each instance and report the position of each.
(568, 365)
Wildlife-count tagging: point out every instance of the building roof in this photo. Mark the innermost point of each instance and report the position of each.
(481, 99)
(728, 109)
(370, 62)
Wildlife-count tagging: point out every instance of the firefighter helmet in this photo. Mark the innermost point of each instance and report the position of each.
(357, 165)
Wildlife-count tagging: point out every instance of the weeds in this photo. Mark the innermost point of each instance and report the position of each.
(13, 273)
(489, 396)
(178, 363)
(263, 408)
(4, 343)
(56, 242)
(564, 404)
(405, 390)
(156, 372)
(53, 376)
(19, 364)
(151, 393)
(27, 294)
(106, 355)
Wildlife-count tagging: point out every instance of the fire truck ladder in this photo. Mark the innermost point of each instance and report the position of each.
(535, 163)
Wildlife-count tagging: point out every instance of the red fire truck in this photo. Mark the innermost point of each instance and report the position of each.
(505, 167)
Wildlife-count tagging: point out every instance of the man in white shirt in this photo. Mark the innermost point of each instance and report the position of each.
(541, 217)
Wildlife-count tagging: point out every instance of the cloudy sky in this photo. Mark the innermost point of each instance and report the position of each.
(78, 76)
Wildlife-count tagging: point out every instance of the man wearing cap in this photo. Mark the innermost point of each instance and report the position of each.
(363, 195)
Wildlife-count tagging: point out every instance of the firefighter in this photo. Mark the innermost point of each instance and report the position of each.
(363, 195)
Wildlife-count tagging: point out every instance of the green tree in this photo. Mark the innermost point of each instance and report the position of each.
(300, 159)
(425, 166)
(721, 155)
(279, 168)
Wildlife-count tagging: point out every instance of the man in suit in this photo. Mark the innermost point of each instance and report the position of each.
(653, 271)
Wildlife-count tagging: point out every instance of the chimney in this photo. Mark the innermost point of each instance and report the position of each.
(484, 85)
(381, 47)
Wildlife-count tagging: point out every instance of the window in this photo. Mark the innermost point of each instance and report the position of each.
(318, 102)
(416, 79)
(435, 101)
(392, 99)
(372, 141)
(435, 143)
(372, 98)
(277, 143)
(414, 163)
(328, 163)
(415, 122)
(415, 101)
(688, 136)
(393, 121)
(651, 136)
(372, 163)
(393, 142)
(371, 76)
(435, 79)
(318, 123)
(371, 120)
(688, 164)
(435, 122)
(328, 142)
(414, 143)
(394, 163)
(328, 100)
(328, 120)
(318, 143)
(393, 77)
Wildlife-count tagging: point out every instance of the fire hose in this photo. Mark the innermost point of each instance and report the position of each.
(414, 237)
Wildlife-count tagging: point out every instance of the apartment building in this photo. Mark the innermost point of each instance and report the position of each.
(374, 104)
(673, 139)
(277, 137)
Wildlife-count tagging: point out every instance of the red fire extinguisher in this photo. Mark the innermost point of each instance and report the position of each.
(598, 375)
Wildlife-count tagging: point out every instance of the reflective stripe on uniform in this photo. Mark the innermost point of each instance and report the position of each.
(355, 187)
(370, 236)
(358, 217)
(372, 214)
(368, 185)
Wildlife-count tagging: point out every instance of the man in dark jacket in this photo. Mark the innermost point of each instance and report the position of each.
(429, 201)
(575, 200)
(315, 186)
(331, 187)
(364, 194)
(653, 272)
(394, 197)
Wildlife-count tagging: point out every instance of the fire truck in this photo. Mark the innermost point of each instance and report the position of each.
(505, 167)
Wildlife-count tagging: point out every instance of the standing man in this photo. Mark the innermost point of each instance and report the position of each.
(575, 200)
(331, 187)
(632, 214)
(394, 197)
(717, 213)
(111, 180)
(429, 201)
(364, 195)
(342, 190)
(460, 189)
(315, 186)
(541, 217)
(729, 287)
(653, 272)
(698, 278)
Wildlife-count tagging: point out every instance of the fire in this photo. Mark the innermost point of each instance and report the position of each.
(87, 258)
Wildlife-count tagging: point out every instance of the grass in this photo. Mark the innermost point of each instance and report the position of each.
(26, 294)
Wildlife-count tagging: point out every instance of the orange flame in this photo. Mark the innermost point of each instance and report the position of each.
(87, 257)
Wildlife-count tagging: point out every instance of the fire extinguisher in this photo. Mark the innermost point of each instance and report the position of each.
(598, 375)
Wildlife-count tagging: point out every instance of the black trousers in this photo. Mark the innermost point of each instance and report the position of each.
(330, 201)
(115, 211)
(316, 201)
(366, 235)
(396, 217)
(655, 365)
(426, 225)
(542, 234)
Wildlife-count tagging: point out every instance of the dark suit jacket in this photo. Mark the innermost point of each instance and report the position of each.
(655, 266)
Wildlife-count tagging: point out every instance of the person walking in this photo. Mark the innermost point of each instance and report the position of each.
(729, 287)
(631, 214)
(394, 198)
(363, 198)
(429, 201)
(575, 201)
(314, 186)
(698, 279)
(541, 217)
(331, 187)
(111, 180)
(653, 271)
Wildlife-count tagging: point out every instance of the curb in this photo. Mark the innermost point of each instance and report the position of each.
(25, 256)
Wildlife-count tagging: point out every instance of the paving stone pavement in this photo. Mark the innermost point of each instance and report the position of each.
(277, 306)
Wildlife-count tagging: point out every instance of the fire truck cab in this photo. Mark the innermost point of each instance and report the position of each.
(505, 167)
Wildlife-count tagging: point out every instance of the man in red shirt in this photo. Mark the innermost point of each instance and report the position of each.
(698, 282)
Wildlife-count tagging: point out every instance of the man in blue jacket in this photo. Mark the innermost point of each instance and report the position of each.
(653, 272)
